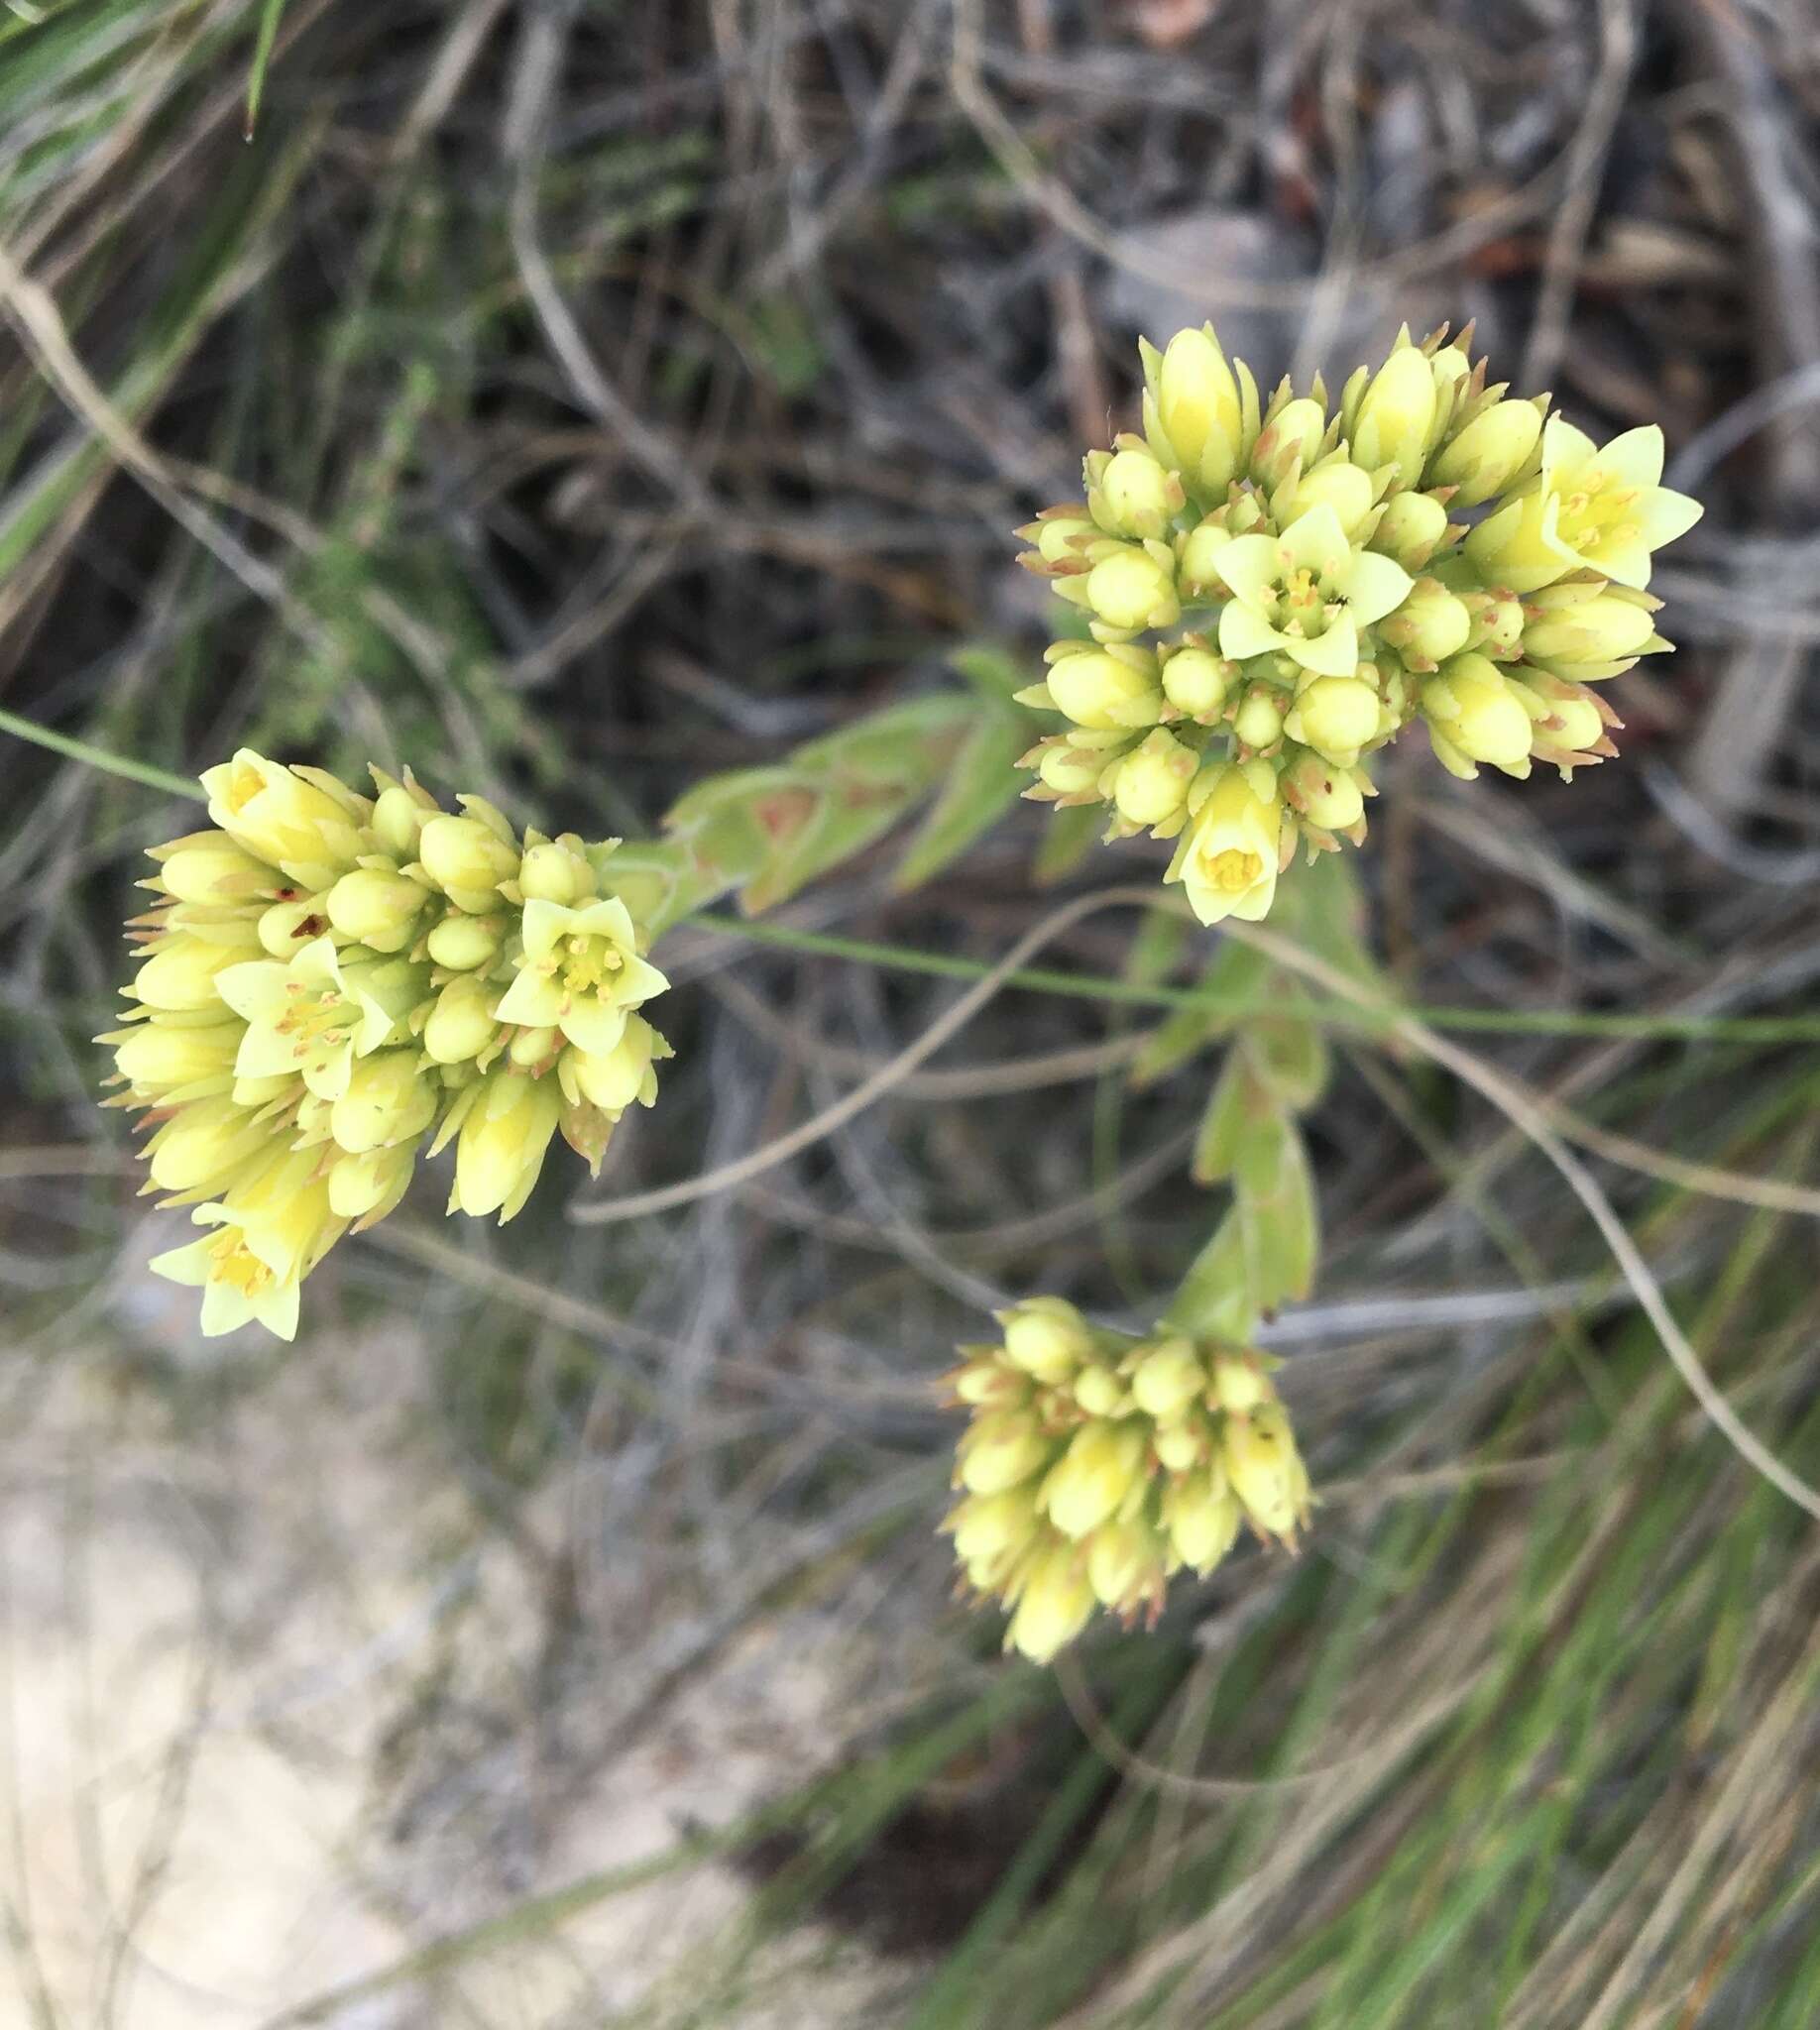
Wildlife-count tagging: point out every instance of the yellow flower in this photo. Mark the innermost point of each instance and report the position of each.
(304, 1020)
(1046, 1337)
(1488, 453)
(1473, 714)
(1093, 1478)
(1598, 506)
(1201, 1517)
(238, 1287)
(298, 819)
(1305, 593)
(991, 1532)
(1055, 1603)
(1228, 856)
(1000, 1450)
(1194, 409)
(580, 972)
(1266, 1471)
(612, 1079)
(1107, 690)
(173, 1058)
(1337, 717)
(204, 1144)
(506, 1127)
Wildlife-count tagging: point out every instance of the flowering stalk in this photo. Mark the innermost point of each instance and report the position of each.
(1097, 1464)
(1273, 590)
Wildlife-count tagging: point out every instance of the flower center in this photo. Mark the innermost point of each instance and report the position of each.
(237, 1266)
(1234, 870)
(314, 1020)
(588, 963)
(242, 786)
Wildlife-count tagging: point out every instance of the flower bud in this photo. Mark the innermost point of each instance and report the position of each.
(1497, 625)
(463, 943)
(1124, 1563)
(1130, 494)
(286, 925)
(504, 1135)
(553, 872)
(991, 1532)
(1477, 713)
(1196, 682)
(531, 1048)
(365, 1187)
(1199, 560)
(1202, 1519)
(1167, 1379)
(1193, 415)
(284, 817)
(1073, 766)
(1150, 785)
(398, 820)
(1410, 529)
(1058, 536)
(1265, 1470)
(1179, 1446)
(1431, 625)
(1046, 1337)
(388, 1099)
(203, 1145)
(179, 974)
(1000, 1450)
(158, 1059)
(1337, 484)
(1335, 716)
(1131, 590)
(1100, 1393)
(376, 908)
(1289, 440)
(207, 868)
(1240, 1383)
(1093, 1477)
(466, 861)
(1607, 628)
(462, 1024)
(1258, 722)
(1328, 797)
(1100, 690)
(1396, 414)
(612, 1079)
(1054, 1606)
(1489, 453)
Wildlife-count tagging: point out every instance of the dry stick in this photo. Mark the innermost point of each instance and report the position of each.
(756, 1162)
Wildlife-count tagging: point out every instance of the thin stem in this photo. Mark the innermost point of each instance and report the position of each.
(98, 757)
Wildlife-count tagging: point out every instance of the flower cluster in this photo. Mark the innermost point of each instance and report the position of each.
(1274, 591)
(333, 984)
(1097, 1464)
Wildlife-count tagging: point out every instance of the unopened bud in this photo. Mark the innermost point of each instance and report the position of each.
(1103, 690)
(1410, 529)
(1192, 411)
(1131, 494)
(1047, 1338)
(466, 861)
(1432, 624)
(1335, 716)
(1489, 453)
(1196, 682)
(376, 908)
(1150, 785)
(1167, 1379)
(1132, 589)
(1396, 414)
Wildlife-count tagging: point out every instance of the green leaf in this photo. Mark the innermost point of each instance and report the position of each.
(1214, 1300)
(261, 58)
(981, 783)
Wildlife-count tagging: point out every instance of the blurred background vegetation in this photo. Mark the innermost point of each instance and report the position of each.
(572, 399)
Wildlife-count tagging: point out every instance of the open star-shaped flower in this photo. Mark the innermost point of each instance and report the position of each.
(309, 1017)
(1305, 593)
(1595, 505)
(580, 972)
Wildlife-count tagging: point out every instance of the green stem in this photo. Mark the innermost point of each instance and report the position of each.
(98, 757)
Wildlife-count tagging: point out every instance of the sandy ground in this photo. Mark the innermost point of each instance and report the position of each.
(279, 1706)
